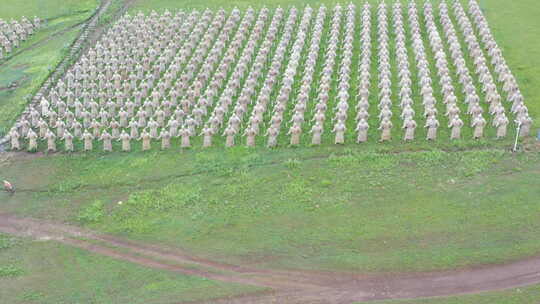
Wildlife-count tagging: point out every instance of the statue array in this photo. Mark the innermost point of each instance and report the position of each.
(267, 77)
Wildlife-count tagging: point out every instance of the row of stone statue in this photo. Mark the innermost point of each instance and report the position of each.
(248, 92)
(500, 68)
(14, 32)
(482, 69)
(89, 137)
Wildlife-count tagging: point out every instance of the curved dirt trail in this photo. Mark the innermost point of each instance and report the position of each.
(286, 286)
(157, 257)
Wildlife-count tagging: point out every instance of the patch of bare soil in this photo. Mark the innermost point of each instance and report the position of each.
(288, 286)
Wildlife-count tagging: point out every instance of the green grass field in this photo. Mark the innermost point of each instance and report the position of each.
(45, 9)
(47, 272)
(523, 295)
(361, 208)
(364, 211)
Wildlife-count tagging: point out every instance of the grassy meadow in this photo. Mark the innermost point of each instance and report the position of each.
(45, 9)
(48, 272)
(347, 209)
(522, 295)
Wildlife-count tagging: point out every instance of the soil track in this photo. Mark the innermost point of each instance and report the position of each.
(285, 286)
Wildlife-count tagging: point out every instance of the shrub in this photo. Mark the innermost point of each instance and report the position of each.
(10, 271)
(292, 163)
(7, 242)
(92, 214)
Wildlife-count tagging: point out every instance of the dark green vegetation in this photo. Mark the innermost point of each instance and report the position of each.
(523, 295)
(29, 65)
(47, 272)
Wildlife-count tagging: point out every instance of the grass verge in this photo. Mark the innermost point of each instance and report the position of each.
(49, 272)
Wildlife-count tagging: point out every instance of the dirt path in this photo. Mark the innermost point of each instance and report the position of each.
(292, 286)
(156, 257)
